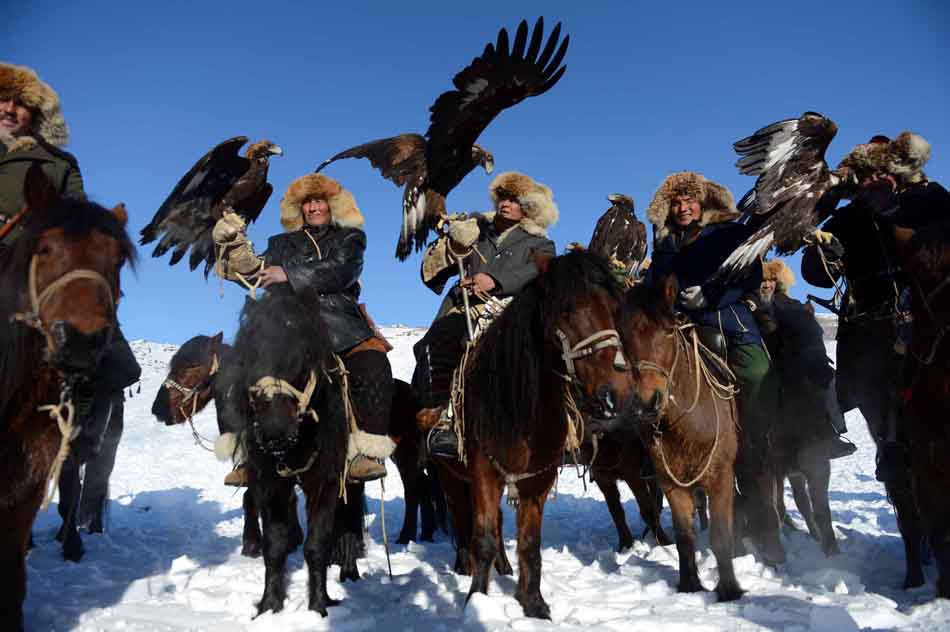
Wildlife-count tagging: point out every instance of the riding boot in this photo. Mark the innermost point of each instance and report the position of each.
(237, 477)
(363, 469)
(93, 412)
(95, 487)
(839, 447)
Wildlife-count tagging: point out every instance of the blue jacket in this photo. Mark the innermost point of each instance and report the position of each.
(693, 256)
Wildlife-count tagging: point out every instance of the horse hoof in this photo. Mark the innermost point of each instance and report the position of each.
(690, 586)
(831, 549)
(662, 539)
(272, 604)
(351, 574)
(404, 539)
(625, 543)
(427, 536)
(914, 581)
(535, 607)
(503, 567)
(73, 552)
(251, 549)
(729, 593)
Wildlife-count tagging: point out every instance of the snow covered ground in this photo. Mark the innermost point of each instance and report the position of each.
(170, 558)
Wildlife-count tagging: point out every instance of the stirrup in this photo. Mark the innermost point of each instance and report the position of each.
(442, 441)
(363, 469)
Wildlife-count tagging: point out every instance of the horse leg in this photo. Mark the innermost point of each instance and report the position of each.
(608, 487)
(273, 504)
(296, 532)
(458, 495)
(486, 496)
(429, 522)
(17, 521)
(798, 483)
(348, 544)
(502, 565)
(413, 488)
(251, 538)
(530, 516)
(817, 472)
(438, 499)
(762, 517)
(908, 521)
(321, 509)
(70, 490)
(95, 492)
(681, 504)
(721, 498)
(701, 500)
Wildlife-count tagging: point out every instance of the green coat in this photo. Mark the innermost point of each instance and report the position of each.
(59, 166)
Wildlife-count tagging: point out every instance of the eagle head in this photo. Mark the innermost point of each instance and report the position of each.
(483, 157)
(263, 149)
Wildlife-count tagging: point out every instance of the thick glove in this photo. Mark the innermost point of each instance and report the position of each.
(229, 229)
(463, 233)
(692, 297)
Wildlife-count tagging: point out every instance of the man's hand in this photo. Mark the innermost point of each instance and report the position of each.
(271, 275)
(692, 297)
(481, 281)
(463, 233)
(228, 228)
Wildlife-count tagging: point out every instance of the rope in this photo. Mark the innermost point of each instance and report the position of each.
(382, 516)
(67, 431)
(251, 287)
(349, 411)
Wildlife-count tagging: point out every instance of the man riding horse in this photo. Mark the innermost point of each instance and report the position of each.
(892, 191)
(320, 257)
(32, 132)
(497, 251)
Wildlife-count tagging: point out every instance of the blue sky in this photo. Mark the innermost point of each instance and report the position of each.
(148, 88)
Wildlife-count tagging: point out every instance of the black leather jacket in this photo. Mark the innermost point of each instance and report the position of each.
(328, 272)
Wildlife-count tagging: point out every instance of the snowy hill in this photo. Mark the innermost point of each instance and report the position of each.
(170, 558)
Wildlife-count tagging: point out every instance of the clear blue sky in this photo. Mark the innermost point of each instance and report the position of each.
(148, 88)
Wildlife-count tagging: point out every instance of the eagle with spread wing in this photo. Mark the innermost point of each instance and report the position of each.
(221, 181)
(619, 235)
(431, 166)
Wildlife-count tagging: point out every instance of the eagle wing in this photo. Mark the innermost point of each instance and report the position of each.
(619, 234)
(399, 159)
(185, 218)
(791, 189)
(498, 79)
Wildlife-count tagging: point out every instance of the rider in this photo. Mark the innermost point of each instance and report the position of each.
(498, 250)
(321, 251)
(795, 341)
(694, 232)
(890, 190)
(32, 132)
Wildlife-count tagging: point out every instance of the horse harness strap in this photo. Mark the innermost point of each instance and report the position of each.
(192, 394)
(588, 346)
(512, 480)
(269, 387)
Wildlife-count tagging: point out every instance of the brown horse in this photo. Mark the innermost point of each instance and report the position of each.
(57, 306)
(557, 337)
(688, 424)
(927, 397)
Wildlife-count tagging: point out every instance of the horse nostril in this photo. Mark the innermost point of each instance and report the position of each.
(57, 331)
(655, 402)
(607, 399)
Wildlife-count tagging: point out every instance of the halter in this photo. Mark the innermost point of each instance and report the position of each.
(269, 387)
(192, 394)
(39, 300)
(589, 346)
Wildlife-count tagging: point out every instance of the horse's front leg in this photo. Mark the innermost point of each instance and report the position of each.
(608, 487)
(486, 487)
(321, 508)
(681, 504)
(721, 497)
(16, 535)
(251, 538)
(271, 499)
(530, 516)
(817, 472)
(70, 489)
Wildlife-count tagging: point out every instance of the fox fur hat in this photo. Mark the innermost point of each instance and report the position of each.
(536, 200)
(23, 86)
(343, 209)
(903, 158)
(716, 202)
(778, 271)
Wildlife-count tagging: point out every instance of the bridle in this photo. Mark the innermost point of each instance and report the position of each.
(588, 346)
(191, 393)
(269, 387)
(941, 330)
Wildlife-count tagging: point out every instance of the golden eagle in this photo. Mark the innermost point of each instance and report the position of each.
(620, 236)
(221, 181)
(794, 191)
(432, 165)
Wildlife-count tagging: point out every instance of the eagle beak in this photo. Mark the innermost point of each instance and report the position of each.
(489, 166)
(275, 150)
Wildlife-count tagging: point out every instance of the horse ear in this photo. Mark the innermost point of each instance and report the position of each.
(543, 262)
(38, 190)
(669, 289)
(120, 213)
(216, 339)
(902, 237)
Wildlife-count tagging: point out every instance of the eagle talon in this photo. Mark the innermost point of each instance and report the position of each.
(822, 237)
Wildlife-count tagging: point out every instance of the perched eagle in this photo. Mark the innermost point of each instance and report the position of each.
(620, 236)
(432, 165)
(222, 180)
(794, 192)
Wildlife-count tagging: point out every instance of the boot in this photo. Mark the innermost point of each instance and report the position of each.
(363, 469)
(237, 477)
(839, 446)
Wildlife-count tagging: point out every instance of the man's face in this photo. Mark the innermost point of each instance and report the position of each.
(316, 212)
(15, 119)
(767, 289)
(685, 210)
(510, 209)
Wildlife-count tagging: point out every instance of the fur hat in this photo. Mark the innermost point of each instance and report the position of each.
(21, 84)
(903, 158)
(776, 270)
(343, 209)
(536, 200)
(717, 203)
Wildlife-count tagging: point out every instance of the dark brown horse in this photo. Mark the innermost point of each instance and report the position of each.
(688, 424)
(57, 305)
(927, 397)
(556, 338)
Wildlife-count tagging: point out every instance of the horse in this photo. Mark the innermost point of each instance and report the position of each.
(927, 403)
(555, 343)
(687, 420)
(616, 458)
(58, 306)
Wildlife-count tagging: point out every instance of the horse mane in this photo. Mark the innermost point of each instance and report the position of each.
(193, 353)
(928, 252)
(21, 350)
(509, 368)
(646, 298)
